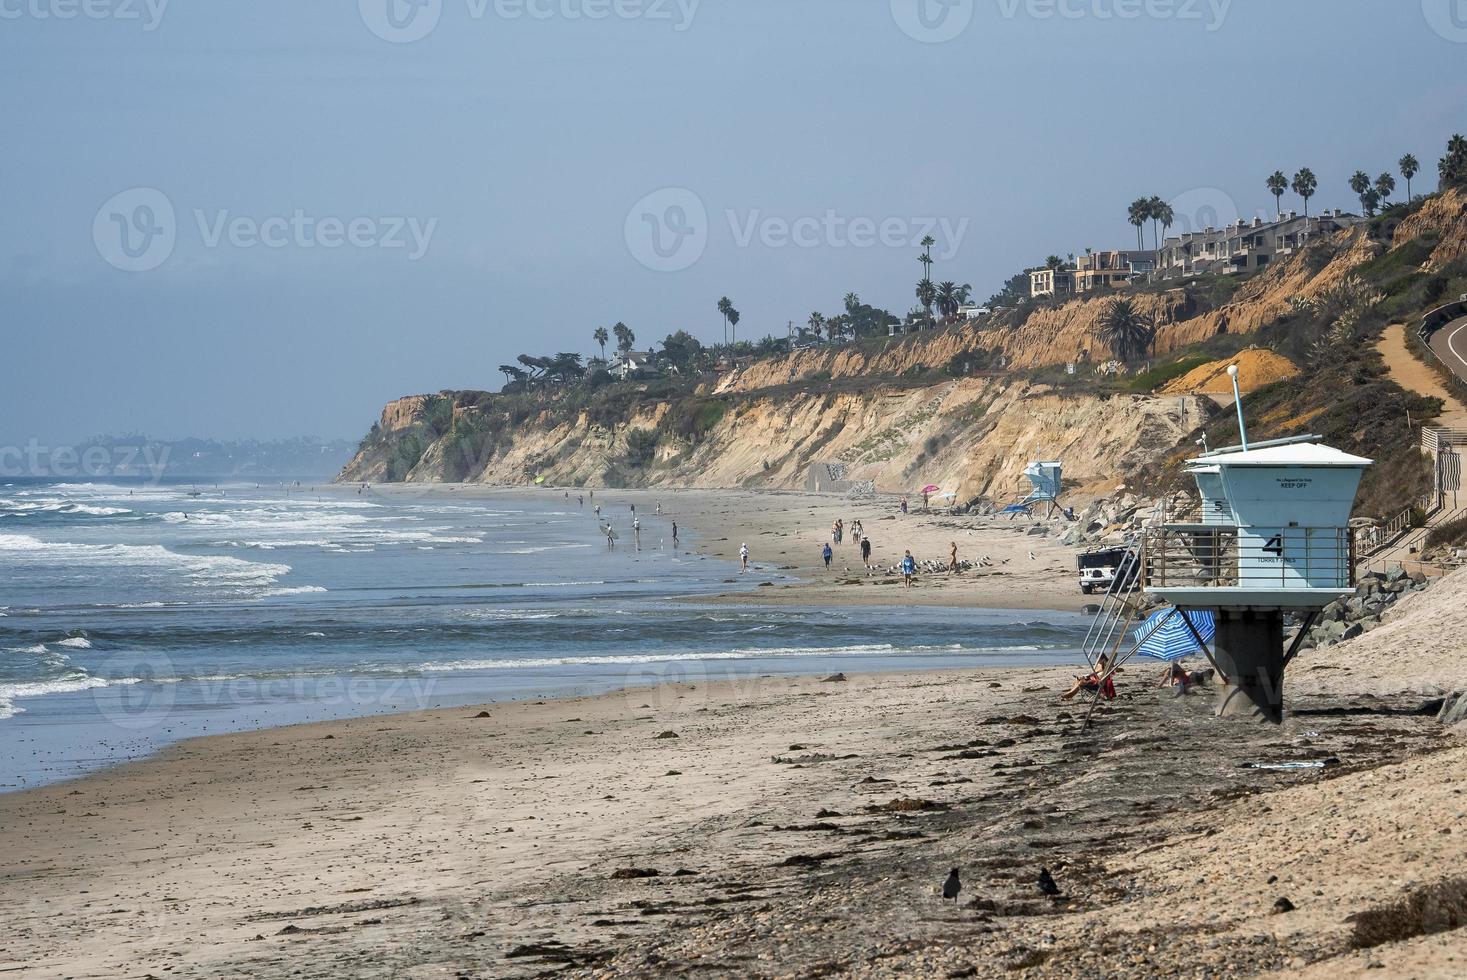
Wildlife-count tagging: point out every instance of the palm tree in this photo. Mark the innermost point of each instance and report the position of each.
(724, 305)
(1277, 184)
(1137, 215)
(1370, 200)
(1360, 183)
(1166, 216)
(624, 337)
(1410, 167)
(817, 323)
(926, 295)
(1128, 332)
(601, 337)
(1305, 184)
(1452, 168)
(926, 258)
(947, 298)
(1154, 207)
(733, 324)
(835, 326)
(1385, 186)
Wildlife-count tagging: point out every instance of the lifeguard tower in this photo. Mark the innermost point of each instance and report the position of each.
(1045, 479)
(1272, 537)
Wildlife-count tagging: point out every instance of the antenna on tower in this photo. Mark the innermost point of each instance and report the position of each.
(1238, 403)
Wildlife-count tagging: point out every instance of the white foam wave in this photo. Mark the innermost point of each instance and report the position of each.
(219, 571)
(10, 693)
(75, 643)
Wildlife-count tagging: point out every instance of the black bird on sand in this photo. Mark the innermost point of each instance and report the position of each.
(952, 886)
(1046, 883)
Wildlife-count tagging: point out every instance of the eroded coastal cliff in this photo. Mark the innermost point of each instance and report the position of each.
(968, 406)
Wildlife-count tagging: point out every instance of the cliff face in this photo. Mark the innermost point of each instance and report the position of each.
(1441, 225)
(972, 436)
(1069, 332)
(876, 410)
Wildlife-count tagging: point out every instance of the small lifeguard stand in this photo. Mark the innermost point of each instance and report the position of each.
(1273, 537)
(1045, 481)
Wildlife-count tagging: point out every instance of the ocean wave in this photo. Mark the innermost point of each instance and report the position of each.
(11, 692)
(219, 571)
(13, 508)
(75, 643)
(747, 653)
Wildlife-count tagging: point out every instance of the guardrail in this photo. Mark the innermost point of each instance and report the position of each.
(1221, 557)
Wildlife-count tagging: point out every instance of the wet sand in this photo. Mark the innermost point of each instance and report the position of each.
(793, 827)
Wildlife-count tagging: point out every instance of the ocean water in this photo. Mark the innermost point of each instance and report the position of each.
(132, 616)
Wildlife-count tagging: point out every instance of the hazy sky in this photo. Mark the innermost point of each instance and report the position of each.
(267, 217)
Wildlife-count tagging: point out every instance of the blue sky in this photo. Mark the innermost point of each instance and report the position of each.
(356, 216)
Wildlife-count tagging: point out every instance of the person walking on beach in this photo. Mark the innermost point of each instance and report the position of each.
(637, 531)
(674, 534)
(598, 510)
(827, 554)
(581, 499)
(952, 559)
(865, 551)
(904, 505)
(909, 570)
(658, 511)
(743, 557)
(610, 536)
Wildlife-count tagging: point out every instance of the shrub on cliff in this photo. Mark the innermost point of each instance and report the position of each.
(641, 446)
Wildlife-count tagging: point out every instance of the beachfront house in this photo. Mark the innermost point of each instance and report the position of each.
(626, 363)
(1246, 246)
(1112, 269)
(1052, 282)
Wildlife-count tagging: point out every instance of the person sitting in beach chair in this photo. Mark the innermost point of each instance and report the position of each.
(1100, 679)
(1183, 680)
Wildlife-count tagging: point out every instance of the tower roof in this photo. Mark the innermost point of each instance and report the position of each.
(1298, 454)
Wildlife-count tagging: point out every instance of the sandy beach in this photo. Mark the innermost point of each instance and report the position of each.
(782, 826)
(785, 531)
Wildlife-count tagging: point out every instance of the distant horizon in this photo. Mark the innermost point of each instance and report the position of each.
(278, 218)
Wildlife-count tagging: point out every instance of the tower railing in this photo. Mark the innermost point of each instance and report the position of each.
(1209, 557)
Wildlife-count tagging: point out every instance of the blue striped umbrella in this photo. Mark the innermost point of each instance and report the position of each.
(1173, 641)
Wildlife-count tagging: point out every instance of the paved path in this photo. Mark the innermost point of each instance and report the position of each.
(1450, 344)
